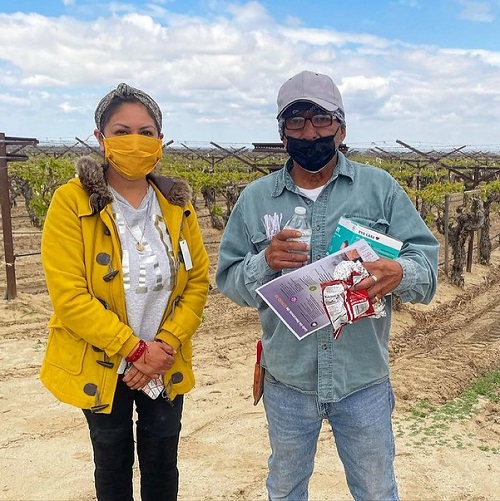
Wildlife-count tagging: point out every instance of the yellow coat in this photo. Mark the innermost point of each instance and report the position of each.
(88, 332)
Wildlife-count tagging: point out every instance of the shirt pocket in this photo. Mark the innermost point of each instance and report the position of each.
(260, 241)
(381, 225)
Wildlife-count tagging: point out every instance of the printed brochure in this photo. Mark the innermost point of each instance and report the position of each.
(296, 297)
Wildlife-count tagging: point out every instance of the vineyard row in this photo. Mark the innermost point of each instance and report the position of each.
(457, 199)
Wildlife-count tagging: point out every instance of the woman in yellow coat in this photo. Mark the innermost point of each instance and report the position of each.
(127, 275)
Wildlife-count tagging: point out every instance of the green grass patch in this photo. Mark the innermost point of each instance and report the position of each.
(429, 425)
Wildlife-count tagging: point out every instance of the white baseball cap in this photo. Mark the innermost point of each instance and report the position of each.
(310, 87)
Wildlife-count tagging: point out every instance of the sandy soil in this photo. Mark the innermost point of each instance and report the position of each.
(437, 351)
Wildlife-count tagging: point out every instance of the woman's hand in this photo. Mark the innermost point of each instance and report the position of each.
(135, 379)
(154, 363)
(156, 360)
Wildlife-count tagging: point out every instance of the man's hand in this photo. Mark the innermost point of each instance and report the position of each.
(283, 253)
(385, 276)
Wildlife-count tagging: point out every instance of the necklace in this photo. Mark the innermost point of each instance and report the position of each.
(138, 243)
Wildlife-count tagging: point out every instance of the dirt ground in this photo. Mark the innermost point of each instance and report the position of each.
(437, 351)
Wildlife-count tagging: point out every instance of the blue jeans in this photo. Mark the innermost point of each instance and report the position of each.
(112, 436)
(361, 425)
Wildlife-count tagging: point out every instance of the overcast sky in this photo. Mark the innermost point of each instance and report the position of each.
(426, 72)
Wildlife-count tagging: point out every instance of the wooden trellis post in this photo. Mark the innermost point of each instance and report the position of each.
(8, 241)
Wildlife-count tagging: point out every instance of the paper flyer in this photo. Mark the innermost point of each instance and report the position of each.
(347, 232)
(296, 296)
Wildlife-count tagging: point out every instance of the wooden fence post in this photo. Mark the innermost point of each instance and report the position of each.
(8, 245)
(8, 241)
(446, 234)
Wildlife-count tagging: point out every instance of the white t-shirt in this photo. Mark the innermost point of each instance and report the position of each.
(149, 273)
(313, 193)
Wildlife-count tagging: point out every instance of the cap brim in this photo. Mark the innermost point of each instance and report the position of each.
(320, 102)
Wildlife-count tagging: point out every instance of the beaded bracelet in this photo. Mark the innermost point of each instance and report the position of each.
(137, 353)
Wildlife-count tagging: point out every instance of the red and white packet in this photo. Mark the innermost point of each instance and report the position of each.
(345, 306)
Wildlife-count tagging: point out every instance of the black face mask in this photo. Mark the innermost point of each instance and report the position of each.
(312, 156)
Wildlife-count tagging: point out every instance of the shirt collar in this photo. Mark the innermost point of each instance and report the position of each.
(284, 180)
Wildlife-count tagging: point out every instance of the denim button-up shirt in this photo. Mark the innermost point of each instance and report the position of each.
(319, 364)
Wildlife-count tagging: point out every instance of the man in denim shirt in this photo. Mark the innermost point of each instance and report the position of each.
(346, 380)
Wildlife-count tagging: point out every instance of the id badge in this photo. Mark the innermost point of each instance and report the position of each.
(186, 255)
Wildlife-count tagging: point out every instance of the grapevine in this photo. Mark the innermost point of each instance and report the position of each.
(218, 181)
(37, 180)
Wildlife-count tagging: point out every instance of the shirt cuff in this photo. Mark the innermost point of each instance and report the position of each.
(408, 281)
(260, 270)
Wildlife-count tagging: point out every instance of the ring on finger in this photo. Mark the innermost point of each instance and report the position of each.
(375, 279)
(375, 299)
